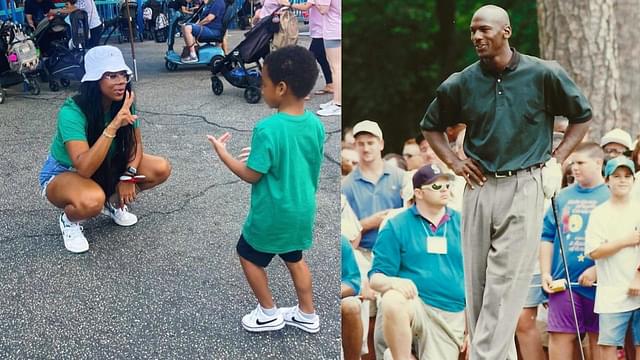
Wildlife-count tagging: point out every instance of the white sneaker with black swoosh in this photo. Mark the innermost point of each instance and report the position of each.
(293, 317)
(258, 321)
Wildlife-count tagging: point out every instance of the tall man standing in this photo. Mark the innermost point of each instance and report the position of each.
(508, 101)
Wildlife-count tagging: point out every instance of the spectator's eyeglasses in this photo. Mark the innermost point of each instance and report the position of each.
(115, 76)
(436, 186)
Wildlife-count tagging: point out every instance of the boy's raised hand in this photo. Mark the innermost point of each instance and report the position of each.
(244, 154)
(220, 144)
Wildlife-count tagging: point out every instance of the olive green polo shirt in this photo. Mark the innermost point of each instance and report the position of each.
(509, 115)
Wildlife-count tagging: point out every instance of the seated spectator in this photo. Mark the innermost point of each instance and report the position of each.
(417, 268)
(209, 27)
(615, 143)
(412, 155)
(350, 304)
(395, 160)
(348, 159)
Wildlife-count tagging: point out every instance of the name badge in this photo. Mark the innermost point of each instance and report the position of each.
(436, 245)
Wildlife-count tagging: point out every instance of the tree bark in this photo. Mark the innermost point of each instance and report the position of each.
(627, 12)
(582, 37)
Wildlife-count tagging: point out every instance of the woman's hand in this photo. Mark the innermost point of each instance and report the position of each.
(124, 116)
(126, 192)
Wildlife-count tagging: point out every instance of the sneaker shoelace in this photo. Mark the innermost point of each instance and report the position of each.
(72, 229)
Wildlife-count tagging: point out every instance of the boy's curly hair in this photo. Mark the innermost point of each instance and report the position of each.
(295, 66)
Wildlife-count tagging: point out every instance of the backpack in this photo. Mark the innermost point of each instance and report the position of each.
(162, 27)
(147, 14)
(288, 30)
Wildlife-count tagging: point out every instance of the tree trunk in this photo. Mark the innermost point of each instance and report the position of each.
(581, 36)
(627, 12)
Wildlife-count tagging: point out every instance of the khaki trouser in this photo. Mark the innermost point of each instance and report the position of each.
(501, 227)
(437, 334)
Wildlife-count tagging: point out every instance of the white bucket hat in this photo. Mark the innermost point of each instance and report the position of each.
(102, 59)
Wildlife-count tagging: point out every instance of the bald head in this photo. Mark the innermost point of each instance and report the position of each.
(493, 14)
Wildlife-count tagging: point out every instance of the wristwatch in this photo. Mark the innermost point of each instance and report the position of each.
(131, 170)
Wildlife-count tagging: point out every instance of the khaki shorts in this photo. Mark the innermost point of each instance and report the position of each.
(437, 334)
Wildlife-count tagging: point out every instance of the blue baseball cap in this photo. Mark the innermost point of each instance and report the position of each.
(617, 162)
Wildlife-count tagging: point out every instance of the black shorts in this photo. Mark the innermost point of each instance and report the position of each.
(262, 259)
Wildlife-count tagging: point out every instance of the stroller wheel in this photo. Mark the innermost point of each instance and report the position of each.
(65, 83)
(3, 94)
(170, 66)
(252, 94)
(34, 88)
(216, 85)
(215, 64)
(53, 86)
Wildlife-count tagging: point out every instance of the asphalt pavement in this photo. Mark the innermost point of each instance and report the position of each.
(171, 286)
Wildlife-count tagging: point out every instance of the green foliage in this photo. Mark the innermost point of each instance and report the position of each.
(395, 56)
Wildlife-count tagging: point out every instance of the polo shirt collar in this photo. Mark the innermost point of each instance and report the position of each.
(386, 170)
(511, 66)
(445, 218)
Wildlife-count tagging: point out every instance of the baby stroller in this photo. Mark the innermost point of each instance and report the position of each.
(18, 59)
(233, 67)
(121, 23)
(63, 55)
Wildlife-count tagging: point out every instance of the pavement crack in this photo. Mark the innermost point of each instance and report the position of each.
(201, 117)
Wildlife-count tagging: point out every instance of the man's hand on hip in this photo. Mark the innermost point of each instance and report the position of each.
(551, 178)
(470, 170)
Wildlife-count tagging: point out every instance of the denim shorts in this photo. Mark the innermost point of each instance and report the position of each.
(50, 169)
(613, 328)
(204, 32)
(536, 295)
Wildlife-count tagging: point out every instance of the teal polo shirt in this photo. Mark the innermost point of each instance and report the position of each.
(367, 198)
(509, 115)
(401, 251)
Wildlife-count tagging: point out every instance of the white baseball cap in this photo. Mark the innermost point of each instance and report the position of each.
(617, 136)
(367, 126)
(102, 59)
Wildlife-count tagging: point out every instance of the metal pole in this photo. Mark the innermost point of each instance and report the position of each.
(566, 273)
(131, 40)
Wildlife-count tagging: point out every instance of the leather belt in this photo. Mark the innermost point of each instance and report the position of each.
(508, 173)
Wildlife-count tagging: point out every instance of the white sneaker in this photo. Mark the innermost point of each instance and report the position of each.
(74, 239)
(190, 59)
(331, 110)
(293, 317)
(121, 217)
(327, 104)
(258, 321)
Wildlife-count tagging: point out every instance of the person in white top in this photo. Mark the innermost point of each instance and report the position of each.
(612, 240)
(93, 18)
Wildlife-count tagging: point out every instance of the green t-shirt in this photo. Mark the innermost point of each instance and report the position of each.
(287, 150)
(72, 126)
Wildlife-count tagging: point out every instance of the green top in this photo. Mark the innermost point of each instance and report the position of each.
(509, 116)
(72, 126)
(287, 150)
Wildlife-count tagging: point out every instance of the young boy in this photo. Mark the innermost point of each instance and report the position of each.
(283, 168)
(574, 205)
(612, 240)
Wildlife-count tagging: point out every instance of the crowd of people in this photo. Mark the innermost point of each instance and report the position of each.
(389, 203)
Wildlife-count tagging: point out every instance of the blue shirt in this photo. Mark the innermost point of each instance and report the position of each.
(574, 206)
(367, 198)
(350, 271)
(216, 8)
(401, 251)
